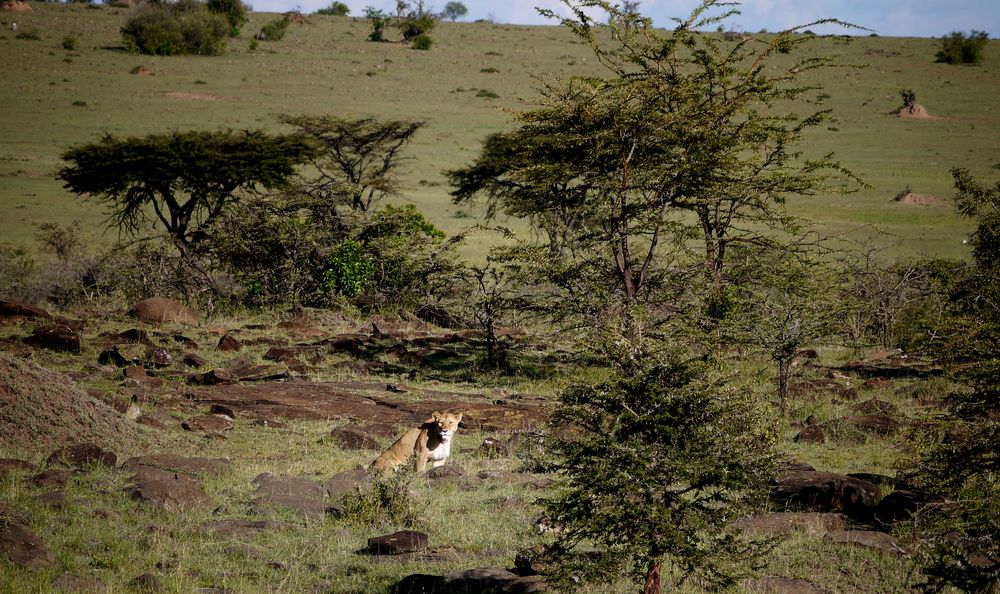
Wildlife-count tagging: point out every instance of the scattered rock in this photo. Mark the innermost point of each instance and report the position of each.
(786, 523)
(12, 308)
(870, 539)
(22, 546)
(350, 438)
(193, 360)
(173, 493)
(826, 492)
(290, 492)
(83, 455)
(209, 423)
(270, 484)
(349, 482)
(8, 465)
(900, 505)
(54, 499)
(811, 434)
(874, 406)
(446, 472)
(51, 478)
(158, 357)
(229, 344)
(404, 541)
(877, 424)
(492, 579)
(159, 309)
(56, 337)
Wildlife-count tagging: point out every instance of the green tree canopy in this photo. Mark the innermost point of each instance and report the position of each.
(454, 11)
(187, 179)
(358, 159)
(658, 460)
(685, 137)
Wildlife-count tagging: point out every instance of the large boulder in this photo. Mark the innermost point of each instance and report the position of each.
(159, 309)
(826, 492)
(54, 337)
(22, 546)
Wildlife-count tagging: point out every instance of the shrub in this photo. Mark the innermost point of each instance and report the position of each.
(909, 97)
(29, 35)
(378, 20)
(349, 271)
(422, 42)
(275, 30)
(416, 24)
(335, 9)
(234, 11)
(185, 27)
(956, 48)
(69, 42)
(16, 267)
(387, 502)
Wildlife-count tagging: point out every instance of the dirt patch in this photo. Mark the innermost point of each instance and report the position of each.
(41, 411)
(16, 6)
(142, 71)
(918, 199)
(914, 111)
(196, 96)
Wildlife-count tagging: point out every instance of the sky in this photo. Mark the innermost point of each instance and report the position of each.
(893, 18)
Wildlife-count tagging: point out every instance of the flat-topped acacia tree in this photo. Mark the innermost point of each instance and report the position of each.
(187, 179)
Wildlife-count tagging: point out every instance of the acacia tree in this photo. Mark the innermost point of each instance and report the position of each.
(358, 159)
(187, 179)
(657, 460)
(680, 140)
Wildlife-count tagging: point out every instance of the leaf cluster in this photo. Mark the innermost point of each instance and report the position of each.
(956, 48)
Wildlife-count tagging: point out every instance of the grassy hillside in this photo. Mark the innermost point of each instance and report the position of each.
(55, 97)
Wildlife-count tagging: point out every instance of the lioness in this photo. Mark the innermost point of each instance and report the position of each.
(430, 442)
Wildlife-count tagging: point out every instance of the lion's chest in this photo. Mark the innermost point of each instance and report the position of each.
(439, 449)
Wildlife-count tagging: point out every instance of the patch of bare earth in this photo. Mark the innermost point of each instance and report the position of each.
(196, 96)
(915, 111)
(918, 199)
(16, 6)
(41, 411)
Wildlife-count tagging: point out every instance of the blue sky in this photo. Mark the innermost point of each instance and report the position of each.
(898, 18)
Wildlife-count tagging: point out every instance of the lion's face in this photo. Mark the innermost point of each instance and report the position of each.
(447, 422)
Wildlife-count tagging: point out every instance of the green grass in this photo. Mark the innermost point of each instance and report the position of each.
(320, 68)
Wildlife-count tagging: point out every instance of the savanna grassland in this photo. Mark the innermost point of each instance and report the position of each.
(55, 98)
(268, 391)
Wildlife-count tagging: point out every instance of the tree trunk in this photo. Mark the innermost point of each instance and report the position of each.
(784, 368)
(652, 585)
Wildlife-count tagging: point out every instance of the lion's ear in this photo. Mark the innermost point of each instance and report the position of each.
(436, 416)
(458, 417)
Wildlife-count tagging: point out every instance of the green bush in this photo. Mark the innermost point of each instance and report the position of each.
(335, 9)
(422, 42)
(349, 271)
(69, 42)
(275, 30)
(185, 27)
(956, 48)
(378, 21)
(234, 11)
(416, 24)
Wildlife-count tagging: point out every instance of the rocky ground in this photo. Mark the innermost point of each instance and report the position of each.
(130, 400)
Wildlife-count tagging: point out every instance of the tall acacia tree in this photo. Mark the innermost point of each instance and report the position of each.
(358, 159)
(686, 136)
(187, 179)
